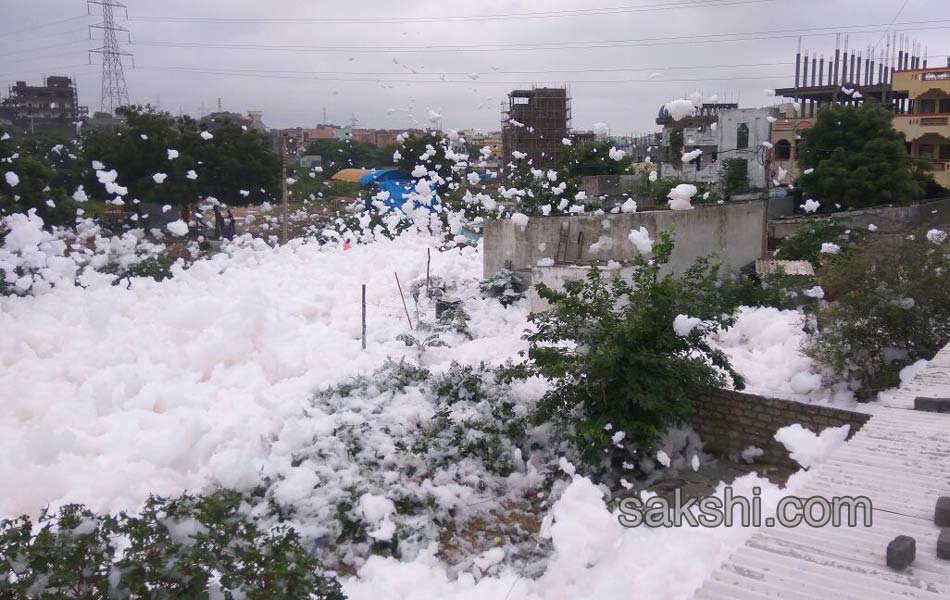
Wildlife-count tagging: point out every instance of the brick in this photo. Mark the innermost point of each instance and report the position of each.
(943, 545)
(942, 512)
(901, 552)
(940, 405)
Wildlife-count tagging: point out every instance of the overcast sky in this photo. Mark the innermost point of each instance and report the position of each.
(622, 84)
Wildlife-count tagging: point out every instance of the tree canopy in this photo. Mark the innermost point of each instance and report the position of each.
(346, 154)
(234, 165)
(593, 158)
(232, 160)
(853, 156)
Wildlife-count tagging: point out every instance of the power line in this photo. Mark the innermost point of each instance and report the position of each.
(41, 57)
(48, 69)
(41, 26)
(496, 72)
(49, 47)
(43, 38)
(686, 39)
(267, 75)
(896, 16)
(581, 12)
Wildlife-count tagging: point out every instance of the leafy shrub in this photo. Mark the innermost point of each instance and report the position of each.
(507, 286)
(614, 360)
(473, 437)
(779, 290)
(189, 547)
(157, 268)
(430, 335)
(805, 244)
(491, 432)
(734, 177)
(890, 307)
(592, 158)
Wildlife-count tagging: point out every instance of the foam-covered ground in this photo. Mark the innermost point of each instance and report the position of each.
(111, 393)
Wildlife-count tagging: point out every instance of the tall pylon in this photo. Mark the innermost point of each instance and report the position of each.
(115, 92)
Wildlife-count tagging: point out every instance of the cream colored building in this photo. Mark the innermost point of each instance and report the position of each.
(926, 125)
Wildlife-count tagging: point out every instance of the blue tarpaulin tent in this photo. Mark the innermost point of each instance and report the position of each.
(399, 185)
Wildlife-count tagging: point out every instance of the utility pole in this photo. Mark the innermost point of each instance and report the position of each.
(283, 189)
(115, 92)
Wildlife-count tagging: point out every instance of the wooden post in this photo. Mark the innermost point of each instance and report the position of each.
(428, 262)
(404, 307)
(364, 316)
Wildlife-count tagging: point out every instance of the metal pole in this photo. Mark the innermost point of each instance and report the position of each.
(404, 307)
(283, 191)
(364, 316)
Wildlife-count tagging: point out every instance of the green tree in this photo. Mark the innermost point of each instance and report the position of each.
(890, 306)
(538, 194)
(231, 161)
(858, 159)
(614, 358)
(42, 164)
(428, 150)
(347, 154)
(593, 158)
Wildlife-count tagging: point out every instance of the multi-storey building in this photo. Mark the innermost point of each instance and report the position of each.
(925, 122)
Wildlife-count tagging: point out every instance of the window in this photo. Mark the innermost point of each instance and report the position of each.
(925, 150)
(742, 136)
(945, 105)
(927, 106)
(944, 151)
(783, 150)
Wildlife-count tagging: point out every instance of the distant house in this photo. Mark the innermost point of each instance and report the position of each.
(49, 108)
(310, 161)
(721, 132)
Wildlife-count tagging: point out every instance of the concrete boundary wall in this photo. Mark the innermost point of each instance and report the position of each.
(729, 422)
(888, 219)
(734, 232)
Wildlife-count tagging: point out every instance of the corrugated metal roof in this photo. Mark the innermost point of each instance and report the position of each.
(900, 460)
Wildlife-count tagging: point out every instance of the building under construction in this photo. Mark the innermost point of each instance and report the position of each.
(896, 75)
(55, 100)
(535, 122)
(868, 71)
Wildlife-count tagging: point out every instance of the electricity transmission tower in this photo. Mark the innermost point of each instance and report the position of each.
(115, 92)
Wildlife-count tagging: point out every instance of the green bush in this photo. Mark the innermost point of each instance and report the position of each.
(614, 361)
(805, 244)
(189, 547)
(592, 158)
(735, 175)
(157, 268)
(890, 307)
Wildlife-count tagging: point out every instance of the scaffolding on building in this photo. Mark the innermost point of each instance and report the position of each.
(534, 122)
